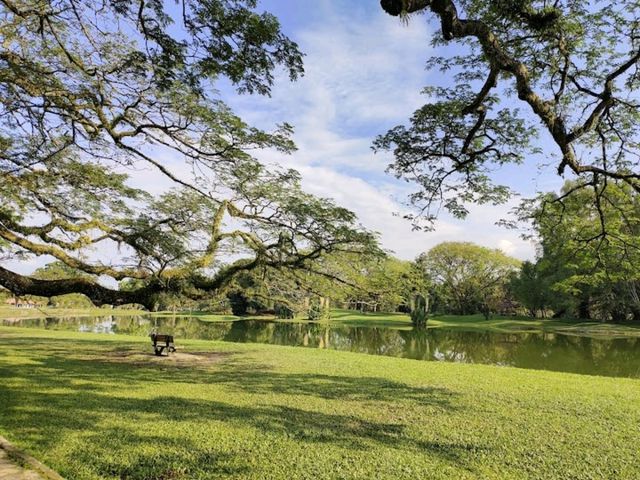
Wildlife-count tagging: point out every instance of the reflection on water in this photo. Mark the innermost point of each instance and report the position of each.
(100, 326)
(547, 351)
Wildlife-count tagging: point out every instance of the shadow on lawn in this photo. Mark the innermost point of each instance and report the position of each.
(247, 379)
(38, 409)
(155, 457)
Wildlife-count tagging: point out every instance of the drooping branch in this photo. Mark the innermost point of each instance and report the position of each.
(91, 89)
(453, 27)
(60, 254)
(100, 295)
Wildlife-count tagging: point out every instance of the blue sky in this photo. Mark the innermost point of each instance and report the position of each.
(364, 74)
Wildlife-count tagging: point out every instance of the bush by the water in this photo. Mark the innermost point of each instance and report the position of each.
(319, 311)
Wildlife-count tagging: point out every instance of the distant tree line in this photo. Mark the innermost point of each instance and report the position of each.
(579, 272)
(589, 251)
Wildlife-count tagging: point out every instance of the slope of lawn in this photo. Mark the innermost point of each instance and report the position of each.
(498, 324)
(354, 318)
(102, 407)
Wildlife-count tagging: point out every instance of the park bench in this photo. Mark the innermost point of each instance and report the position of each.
(160, 342)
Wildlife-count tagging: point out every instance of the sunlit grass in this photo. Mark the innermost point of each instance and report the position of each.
(103, 407)
(531, 325)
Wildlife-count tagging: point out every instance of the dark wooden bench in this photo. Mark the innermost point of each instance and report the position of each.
(162, 342)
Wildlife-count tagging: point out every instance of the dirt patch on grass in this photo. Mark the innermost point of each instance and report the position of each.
(178, 359)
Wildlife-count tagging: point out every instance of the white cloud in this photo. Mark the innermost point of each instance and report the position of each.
(378, 211)
(363, 76)
(506, 246)
(364, 73)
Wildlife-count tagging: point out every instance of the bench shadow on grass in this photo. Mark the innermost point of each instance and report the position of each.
(40, 410)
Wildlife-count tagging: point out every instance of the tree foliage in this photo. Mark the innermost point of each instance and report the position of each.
(375, 282)
(590, 248)
(92, 90)
(565, 70)
(532, 288)
(467, 278)
(420, 311)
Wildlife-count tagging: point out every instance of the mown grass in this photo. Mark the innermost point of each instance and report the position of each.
(353, 318)
(531, 325)
(498, 324)
(97, 407)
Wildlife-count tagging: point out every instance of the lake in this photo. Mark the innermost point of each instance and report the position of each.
(619, 357)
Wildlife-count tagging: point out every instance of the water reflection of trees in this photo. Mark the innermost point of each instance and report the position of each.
(136, 325)
(549, 351)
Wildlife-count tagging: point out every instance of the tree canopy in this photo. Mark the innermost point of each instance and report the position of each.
(564, 71)
(532, 287)
(467, 278)
(590, 250)
(92, 90)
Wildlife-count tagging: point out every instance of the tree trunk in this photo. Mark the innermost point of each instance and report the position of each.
(583, 309)
(559, 313)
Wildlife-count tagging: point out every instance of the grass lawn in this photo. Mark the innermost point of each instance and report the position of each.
(352, 318)
(523, 324)
(96, 406)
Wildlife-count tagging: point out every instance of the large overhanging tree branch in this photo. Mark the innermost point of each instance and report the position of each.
(94, 90)
(574, 65)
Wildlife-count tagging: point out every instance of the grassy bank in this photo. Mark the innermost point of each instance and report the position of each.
(96, 406)
(352, 318)
(531, 325)
(496, 324)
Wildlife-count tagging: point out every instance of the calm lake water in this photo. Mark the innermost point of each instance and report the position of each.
(618, 357)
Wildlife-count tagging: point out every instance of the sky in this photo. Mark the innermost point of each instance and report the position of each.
(364, 72)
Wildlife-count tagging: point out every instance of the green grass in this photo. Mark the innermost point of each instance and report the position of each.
(96, 406)
(352, 318)
(530, 325)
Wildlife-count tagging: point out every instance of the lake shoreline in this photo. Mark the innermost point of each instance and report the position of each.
(571, 349)
(353, 318)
